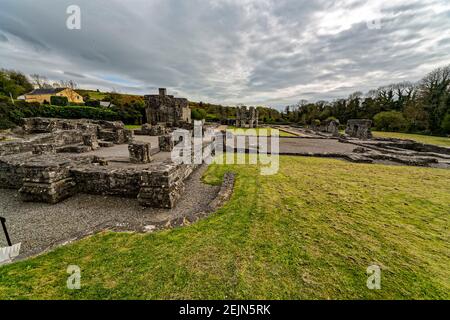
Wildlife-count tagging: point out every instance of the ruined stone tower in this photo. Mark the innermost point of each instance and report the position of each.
(247, 118)
(163, 108)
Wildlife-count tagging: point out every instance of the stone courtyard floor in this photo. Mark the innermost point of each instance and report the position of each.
(40, 226)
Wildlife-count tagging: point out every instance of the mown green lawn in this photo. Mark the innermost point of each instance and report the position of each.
(308, 232)
(132, 126)
(441, 141)
(259, 131)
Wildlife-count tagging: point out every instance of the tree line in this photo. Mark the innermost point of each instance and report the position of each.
(422, 107)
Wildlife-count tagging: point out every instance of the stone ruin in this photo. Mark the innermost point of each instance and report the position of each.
(53, 159)
(247, 118)
(359, 128)
(329, 126)
(167, 109)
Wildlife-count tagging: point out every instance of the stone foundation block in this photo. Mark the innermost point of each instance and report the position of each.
(48, 192)
(140, 152)
(166, 143)
(91, 141)
(44, 148)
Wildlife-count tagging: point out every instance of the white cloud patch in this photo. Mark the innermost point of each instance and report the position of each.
(272, 52)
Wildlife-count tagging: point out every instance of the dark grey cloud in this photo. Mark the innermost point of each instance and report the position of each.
(271, 52)
(74, 74)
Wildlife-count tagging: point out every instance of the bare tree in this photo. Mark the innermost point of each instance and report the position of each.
(39, 81)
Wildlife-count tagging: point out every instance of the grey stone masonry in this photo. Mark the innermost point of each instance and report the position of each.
(44, 148)
(140, 152)
(166, 108)
(329, 126)
(162, 187)
(47, 179)
(359, 128)
(166, 143)
(247, 118)
(91, 140)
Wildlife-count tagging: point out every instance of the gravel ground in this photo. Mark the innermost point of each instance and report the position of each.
(295, 145)
(41, 226)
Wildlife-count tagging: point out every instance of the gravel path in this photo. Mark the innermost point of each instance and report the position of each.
(296, 145)
(41, 226)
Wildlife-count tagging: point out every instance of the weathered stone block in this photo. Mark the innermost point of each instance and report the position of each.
(359, 128)
(74, 149)
(140, 152)
(91, 141)
(166, 143)
(48, 192)
(44, 148)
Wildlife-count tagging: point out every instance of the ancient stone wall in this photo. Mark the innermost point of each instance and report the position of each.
(247, 118)
(359, 128)
(331, 126)
(103, 180)
(163, 108)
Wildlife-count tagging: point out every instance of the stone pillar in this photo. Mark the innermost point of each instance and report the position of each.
(166, 143)
(90, 140)
(128, 135)
(140, 152)
(163, 188)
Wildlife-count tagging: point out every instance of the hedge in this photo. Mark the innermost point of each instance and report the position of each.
(12, 114)
(59, 101)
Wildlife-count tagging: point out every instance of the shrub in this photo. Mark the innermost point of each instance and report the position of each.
(92, 103)
(445, 125)
(390, 121)
(59, 101)
(10, 113)
(6, 124)
(198, 114)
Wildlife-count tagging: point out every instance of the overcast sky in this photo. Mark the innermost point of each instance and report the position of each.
(228, 51)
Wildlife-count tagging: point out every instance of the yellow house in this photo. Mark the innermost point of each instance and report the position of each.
(43, 95)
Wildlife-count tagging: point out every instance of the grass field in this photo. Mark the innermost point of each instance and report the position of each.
(132, 126)
(441, 141)
(308, 232)
(259, 131)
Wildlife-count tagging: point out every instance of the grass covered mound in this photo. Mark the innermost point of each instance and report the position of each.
(309, 232)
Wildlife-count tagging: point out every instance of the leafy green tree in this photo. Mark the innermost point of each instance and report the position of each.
(446, 124)
(390, 121)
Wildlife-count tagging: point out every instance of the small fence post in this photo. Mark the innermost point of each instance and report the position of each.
(3, 221)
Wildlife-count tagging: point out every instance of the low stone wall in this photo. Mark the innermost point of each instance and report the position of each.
(49, 179)
(11, 170)
(419, 147)
(48, 125)
(153, 130)
(59, 138)
(107, 130)
(107, 181)
(163, 186)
